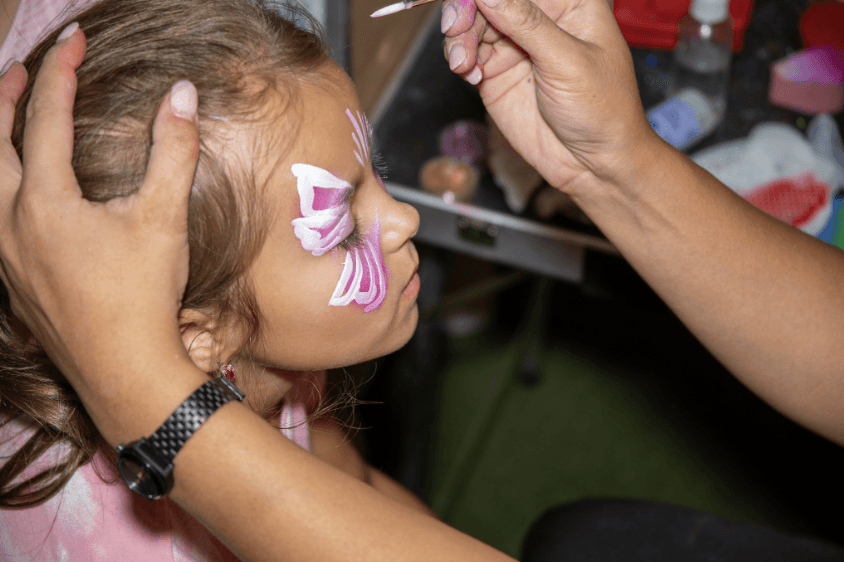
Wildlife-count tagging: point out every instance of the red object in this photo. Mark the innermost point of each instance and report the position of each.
(795, 200)
(653, 24)
(228, 372)
(823, 24)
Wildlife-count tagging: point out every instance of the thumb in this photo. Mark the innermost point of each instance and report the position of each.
(526, 25)
(174, 154)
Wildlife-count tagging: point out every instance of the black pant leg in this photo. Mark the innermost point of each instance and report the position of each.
(616, 530)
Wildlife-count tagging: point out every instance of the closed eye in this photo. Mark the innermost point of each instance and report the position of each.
(353, 240)
(379, 164)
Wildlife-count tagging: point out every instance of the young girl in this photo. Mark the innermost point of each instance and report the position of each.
(299, 260)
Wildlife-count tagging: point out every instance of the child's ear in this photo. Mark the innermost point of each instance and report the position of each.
(201, 339)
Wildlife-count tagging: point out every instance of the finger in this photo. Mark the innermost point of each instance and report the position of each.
(174, 155)
(11, 86)
(461, 51)
(48, 136)
(528, 27)
(458, 17)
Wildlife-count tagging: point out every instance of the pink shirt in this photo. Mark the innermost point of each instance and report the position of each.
(96, 520)
(34, 20)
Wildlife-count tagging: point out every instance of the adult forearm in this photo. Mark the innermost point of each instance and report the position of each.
(762, 296)
(267, 499)
(263, 496)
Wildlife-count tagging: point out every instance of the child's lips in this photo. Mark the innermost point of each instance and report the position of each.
(411, 290)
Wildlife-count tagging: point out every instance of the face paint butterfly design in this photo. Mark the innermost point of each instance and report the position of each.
(361, 136)
(326, 222)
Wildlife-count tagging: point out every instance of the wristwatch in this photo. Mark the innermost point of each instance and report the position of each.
(146, 465)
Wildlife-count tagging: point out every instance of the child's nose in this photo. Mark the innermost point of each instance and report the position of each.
(398, 225)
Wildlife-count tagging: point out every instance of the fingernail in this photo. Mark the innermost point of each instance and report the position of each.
(474, 77)
(449, 17)
(6, 66)
(456, 56)
(490, 3)
(67, 32)
(183, 100)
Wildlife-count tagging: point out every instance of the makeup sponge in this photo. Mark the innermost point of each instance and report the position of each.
(810, 81)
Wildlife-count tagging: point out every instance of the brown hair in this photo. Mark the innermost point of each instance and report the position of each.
(239, 54)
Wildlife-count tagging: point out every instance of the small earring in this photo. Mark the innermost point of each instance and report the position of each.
(227, 371)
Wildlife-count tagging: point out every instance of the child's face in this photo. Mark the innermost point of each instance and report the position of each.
(336, 279)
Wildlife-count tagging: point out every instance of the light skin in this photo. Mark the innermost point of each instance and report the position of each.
(743, 282)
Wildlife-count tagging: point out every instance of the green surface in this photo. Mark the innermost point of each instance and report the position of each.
(587, 429)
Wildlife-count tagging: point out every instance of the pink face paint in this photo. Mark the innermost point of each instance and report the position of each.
(361, 136)
(364, 277)
(324, 204)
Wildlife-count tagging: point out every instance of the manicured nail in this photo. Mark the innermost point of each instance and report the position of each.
(490, 3)
(456, 56)
(474, 77)
(183, 100)
(6, 66)
(449, 17)
(67, 32)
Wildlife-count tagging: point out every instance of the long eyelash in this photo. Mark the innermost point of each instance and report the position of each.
(380, 164)
(354, 240)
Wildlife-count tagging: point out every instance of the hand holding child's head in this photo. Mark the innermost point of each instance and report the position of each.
(277, 119)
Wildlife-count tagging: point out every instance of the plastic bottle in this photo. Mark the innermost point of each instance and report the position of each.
(700, 74)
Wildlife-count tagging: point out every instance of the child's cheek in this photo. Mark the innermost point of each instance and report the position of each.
(364, 277)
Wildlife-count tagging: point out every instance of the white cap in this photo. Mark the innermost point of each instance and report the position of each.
(710, 11)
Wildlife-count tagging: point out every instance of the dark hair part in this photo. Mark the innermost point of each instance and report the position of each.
(240, 55)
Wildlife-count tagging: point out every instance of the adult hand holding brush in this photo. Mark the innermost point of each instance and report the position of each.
(556, 76)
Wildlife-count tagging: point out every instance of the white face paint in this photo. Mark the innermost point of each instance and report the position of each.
(324, 203)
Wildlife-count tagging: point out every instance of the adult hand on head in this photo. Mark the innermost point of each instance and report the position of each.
(557, 77)
(91, 280)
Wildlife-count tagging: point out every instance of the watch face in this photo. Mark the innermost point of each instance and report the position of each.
(140, 478)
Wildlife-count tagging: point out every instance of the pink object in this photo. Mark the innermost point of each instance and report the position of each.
(465, 140)
(810, 81)
(99, 519)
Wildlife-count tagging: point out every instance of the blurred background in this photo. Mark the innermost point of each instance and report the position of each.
(544, 370)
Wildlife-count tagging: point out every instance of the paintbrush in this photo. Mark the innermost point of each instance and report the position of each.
(398, 7)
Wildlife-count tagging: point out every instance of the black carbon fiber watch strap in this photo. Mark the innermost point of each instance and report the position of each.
(191, 414)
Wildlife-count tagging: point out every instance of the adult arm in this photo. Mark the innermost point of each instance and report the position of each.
(331, 444)
(104, 301)
(762, 296)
